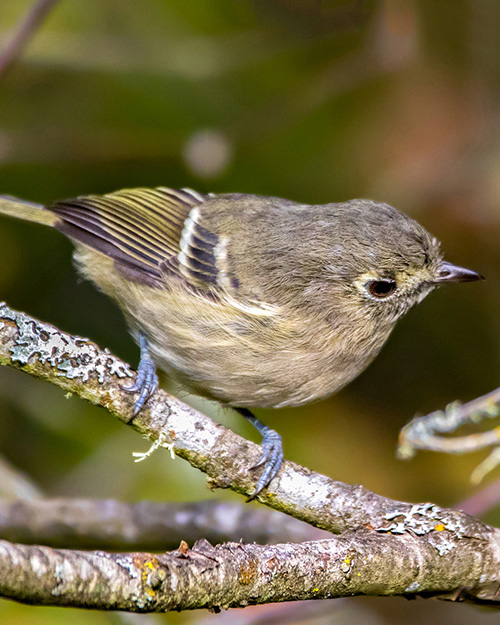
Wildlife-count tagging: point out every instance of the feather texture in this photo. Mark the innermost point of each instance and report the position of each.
(147, 232)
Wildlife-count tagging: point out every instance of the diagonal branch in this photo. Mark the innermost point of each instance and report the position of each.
(79, 366)
(24, 33)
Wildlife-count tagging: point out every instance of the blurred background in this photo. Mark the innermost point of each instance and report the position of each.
(312, 100)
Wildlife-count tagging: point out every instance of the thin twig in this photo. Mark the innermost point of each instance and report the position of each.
(24, 33)
(427, 432)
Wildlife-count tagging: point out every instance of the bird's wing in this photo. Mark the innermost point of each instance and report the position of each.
(149, 233)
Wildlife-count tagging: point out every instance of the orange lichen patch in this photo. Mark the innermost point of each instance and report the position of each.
(439, 528)
(248, 572)
(145, 561)
(148, 567)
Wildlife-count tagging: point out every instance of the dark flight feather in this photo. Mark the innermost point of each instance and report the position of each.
(147, 232)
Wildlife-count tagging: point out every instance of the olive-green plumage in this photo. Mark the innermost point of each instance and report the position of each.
(253, 301)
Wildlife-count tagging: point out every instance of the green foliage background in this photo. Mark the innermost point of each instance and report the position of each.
(315, 101)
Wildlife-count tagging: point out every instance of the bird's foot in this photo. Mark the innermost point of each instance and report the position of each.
(272, 452)
(146, 382)
(271, 459)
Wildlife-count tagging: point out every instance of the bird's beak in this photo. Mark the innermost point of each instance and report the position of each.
(453, 273)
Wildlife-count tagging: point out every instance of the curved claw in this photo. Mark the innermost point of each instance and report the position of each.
(271, 458)
(146, 382)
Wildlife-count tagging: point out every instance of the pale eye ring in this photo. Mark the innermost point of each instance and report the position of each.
(381, 288)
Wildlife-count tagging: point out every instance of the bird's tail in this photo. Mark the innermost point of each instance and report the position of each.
(29, 211)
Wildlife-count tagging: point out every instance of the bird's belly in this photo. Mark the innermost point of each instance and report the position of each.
(248, 371)
(270, 382)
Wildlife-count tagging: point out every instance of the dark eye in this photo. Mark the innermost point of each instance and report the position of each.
(381, 288)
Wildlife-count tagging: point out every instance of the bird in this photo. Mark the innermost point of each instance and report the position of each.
(250, 300)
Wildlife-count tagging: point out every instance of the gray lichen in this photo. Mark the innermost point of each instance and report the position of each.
(73, 356)
(420, 519)
(445, 526)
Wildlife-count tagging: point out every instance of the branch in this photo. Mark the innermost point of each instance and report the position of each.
(146, 526)
(77, 365)
(387, 548)
(25, 32)
(237, 575)
(426, 432)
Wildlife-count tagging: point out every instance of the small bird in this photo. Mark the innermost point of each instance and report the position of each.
(250, 300)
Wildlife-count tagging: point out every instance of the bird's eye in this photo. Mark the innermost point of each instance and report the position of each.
(381, 288)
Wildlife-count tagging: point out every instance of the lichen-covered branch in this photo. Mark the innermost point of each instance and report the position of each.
(387, 547)
(426, 432)
(235, 575)
(79, 366)
(146, 526)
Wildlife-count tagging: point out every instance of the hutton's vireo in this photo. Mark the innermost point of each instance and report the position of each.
(249, 300)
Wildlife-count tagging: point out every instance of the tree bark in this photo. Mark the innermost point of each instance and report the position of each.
(361, 562)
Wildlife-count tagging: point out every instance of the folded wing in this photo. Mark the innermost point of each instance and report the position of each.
(149, 233)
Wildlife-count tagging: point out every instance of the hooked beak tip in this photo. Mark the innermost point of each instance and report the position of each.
(453, 273)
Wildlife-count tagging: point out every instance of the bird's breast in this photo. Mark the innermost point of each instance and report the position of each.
(249, 361)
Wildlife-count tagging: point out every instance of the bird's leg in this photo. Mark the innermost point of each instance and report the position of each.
(272, 452)
(147, 380)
